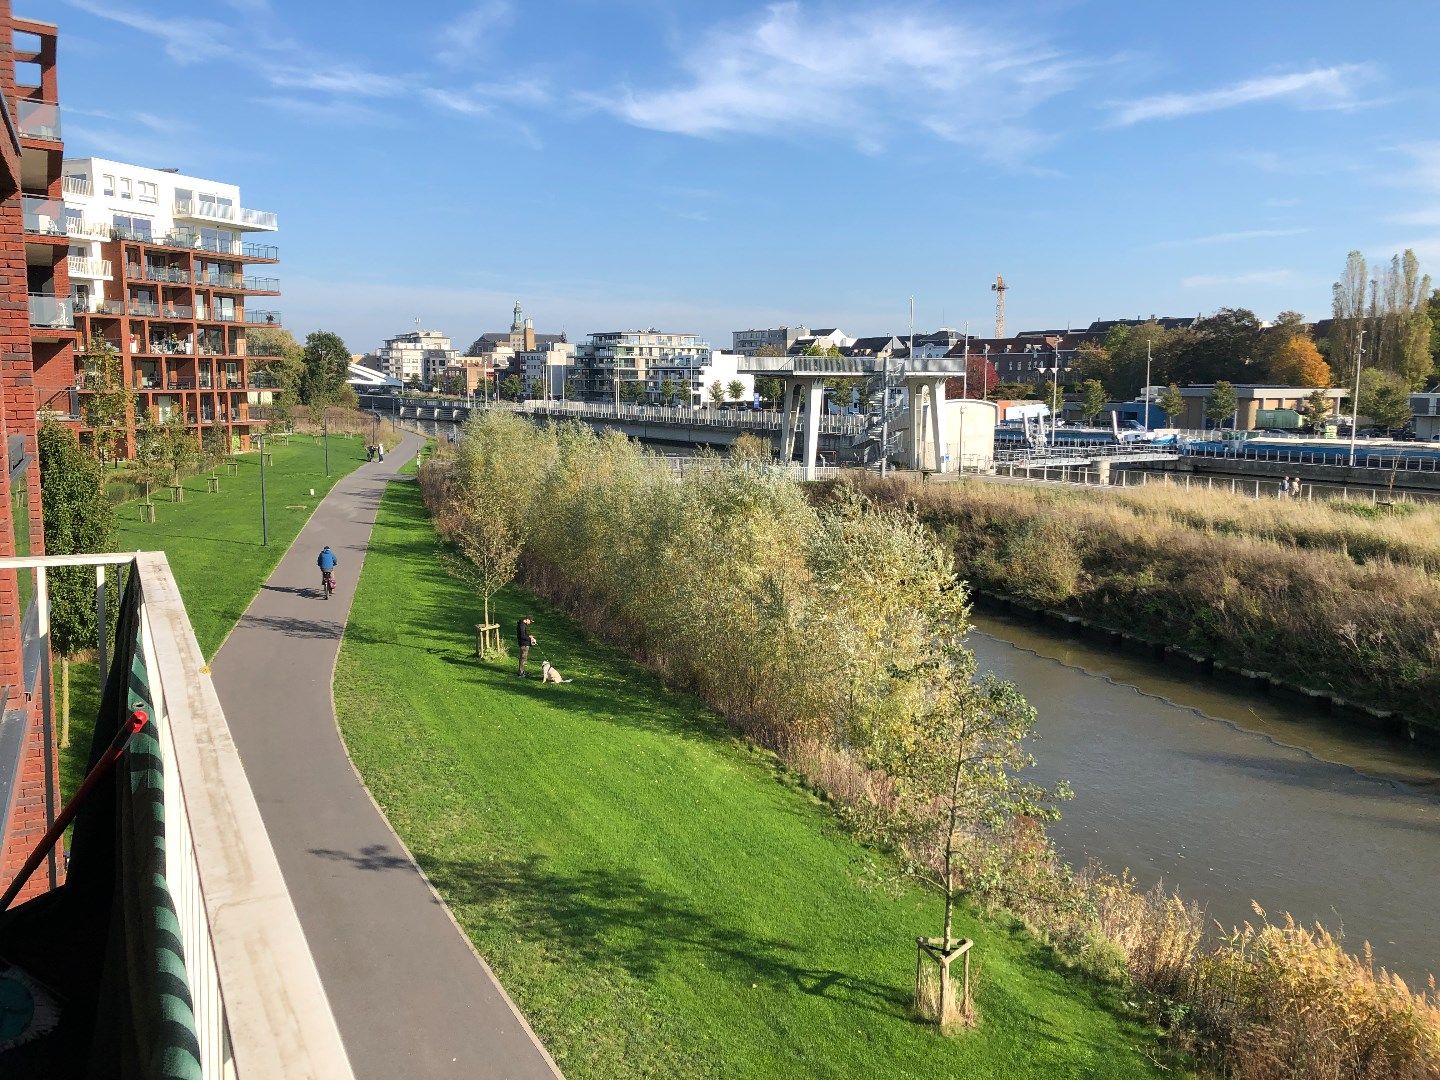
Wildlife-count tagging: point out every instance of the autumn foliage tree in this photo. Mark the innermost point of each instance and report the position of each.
(1298, 363)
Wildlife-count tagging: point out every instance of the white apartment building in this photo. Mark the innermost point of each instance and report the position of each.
(749, 342)
(693, 380)
(421, 355)
(628, 355)
(105, 198)
(550, 363)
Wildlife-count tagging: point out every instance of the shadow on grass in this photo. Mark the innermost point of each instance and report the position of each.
(615, 917)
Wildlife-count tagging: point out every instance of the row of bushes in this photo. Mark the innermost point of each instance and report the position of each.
(1309, 592)
(786, 616)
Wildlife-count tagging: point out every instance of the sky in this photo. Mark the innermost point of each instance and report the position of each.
(706, 167)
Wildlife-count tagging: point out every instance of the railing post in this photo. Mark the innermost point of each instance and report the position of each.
(100, 626)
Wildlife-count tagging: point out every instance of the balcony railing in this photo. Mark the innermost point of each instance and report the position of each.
(174, 275)
(98, 305)
(78, 185)
(82, 266)
(209, 210)
(263, 318)
(52, 312)
(239, 282)
(43, 217)
(38, 119)
(220, 981)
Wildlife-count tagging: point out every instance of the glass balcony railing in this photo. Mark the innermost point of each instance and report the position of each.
(52, 312)
(38, 119)
(263, 318)
(43, 217)
(211, 210)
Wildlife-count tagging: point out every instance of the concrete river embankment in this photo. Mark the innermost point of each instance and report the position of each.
(1230, 797)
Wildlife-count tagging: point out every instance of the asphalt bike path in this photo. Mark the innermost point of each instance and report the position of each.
(410, 995)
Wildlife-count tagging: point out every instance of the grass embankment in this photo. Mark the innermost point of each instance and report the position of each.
(213, 544)
(1333, 596)
(660, 899)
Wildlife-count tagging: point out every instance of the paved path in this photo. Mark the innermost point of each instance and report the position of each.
(411, 997)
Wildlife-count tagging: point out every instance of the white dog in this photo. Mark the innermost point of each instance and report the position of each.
(549, 673)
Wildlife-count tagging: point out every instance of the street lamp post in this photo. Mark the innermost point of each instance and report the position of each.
(1355, 400)
(1147, 386)
(264, 515)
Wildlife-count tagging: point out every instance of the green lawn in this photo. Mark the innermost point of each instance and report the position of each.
(213, 543)
(660, 899)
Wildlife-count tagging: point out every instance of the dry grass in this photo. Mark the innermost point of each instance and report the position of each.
(1313, 593)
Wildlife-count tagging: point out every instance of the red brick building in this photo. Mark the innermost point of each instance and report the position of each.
(33, 280)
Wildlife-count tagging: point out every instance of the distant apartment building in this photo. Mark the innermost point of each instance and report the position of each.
(627, 356)
(692, 380)
(549, 365)
(159, 265)
(417, 356)
(750, 342)
(1425, 408)
(501, 350)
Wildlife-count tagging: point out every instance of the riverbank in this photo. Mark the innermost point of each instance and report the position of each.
(1341, 600)
(660, 897)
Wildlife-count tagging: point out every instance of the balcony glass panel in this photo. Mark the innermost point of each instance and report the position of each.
(263, 318)
(38, 119)
(44, 217)
(52, 312)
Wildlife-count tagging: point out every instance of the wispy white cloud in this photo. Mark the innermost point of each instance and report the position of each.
(481, 99)
(1231, 237)
(872, 76)
(1252, 277)
(1334, 87)
(185, 40)
(463, 38)
(340, 80)
(327, 110)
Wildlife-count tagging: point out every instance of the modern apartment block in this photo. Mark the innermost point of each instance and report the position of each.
(161, 266)
(692, 382)
(750, 342)
(627, 356)
(416, 356)
(550, 365)
(33, 277)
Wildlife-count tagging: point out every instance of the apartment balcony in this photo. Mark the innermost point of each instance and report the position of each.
(51, 312)
(210, 211)
(78, 185)
(98, 305)
(170, 870)
(263, 318)
(173, 275)
(240, 283)
(81, 266)
(38, 119)
(43, 217)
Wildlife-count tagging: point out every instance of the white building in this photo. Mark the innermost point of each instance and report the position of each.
(550, 363)
(421, 355)
(693, 379)
(749, 342)
(104, 197)
(629, 355)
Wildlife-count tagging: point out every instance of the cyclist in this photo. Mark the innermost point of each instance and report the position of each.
(327, 563)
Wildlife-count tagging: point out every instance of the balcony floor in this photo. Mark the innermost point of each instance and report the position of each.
(409, 993)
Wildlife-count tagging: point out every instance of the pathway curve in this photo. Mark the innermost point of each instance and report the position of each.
(411, 996)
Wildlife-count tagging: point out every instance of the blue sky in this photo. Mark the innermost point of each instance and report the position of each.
(712, 166)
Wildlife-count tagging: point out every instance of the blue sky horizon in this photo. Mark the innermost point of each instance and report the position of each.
(708, 167)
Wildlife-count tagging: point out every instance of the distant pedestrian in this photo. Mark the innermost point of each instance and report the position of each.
(1295, 487)
(1284, 492)
(381, 451)
(524, 639)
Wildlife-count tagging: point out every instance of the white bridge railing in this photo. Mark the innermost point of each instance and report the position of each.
(702, 416)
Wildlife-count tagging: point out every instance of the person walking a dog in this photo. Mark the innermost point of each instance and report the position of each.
(524, 639)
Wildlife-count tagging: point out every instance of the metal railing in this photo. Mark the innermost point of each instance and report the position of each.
(1396, 459)
(77, 185)
(174, 275)
(263, 318)
(257, 1005)
(209, 210)
(83, 266)
(698, 416)
(52, 312)
(42, 217)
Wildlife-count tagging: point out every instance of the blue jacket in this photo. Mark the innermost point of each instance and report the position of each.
(327, 560)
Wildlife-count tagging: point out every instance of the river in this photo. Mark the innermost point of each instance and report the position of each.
(1231, 797)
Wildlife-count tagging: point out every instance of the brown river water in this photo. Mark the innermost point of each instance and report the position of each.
(1231, 797)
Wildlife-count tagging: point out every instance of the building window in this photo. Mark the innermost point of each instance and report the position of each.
(125, 191)
(149, 192)
(135, 227)
(107, 185)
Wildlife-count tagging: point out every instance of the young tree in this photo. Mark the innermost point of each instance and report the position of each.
(78, 520)
(148, 466)
(214, 448)
(770, 387)
(1298, 362)
(1221, 404)
(176, 449)
(109, 403)
(512, 387)
(667, 390)
(736, 389)
(955, 761)
(487, 548)
(1092, 399)
(1385, 398)
(1316, 410)
(716, 392)
(1348, 311)
(1171, 402)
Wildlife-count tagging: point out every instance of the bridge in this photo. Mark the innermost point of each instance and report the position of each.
(1054, 457)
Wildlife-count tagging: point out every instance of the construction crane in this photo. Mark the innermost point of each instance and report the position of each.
(999, 290)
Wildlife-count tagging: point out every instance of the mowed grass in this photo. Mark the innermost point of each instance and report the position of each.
(660, 899)
(213, 541)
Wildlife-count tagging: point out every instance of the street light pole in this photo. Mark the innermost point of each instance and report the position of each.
(1147, 386)
(1355, 400)
(264, 515)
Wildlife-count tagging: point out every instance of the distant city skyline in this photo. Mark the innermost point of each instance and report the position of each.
(725, 167)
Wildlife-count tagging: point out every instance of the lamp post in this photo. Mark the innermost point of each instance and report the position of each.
(1147, 386)
(264, 515)
(1355, 400)
(325, 438)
